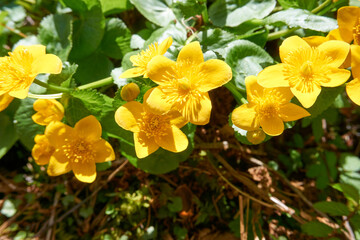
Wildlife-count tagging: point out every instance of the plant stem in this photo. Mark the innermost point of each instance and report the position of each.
(321, 6)
(235, 92)
(97, 84)
(51, 87)
(279, 34)
(204, 13)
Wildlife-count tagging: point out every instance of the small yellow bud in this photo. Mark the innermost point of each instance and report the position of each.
(255, 137)
(130, 91)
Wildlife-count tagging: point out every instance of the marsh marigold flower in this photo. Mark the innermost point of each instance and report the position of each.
(5, 100)
(255, 136)
(48, 110)
(129, 92)
(268, 108)
(42, 150)
(152, 131)
(184, 84)
(78, 148)
(306, 69)
(19, 69)
(141, 60)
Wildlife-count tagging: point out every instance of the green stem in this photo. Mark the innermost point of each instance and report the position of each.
(204, 13)
(321, 6)
(97, 84)
(279, 34)
(235, 92)
(51, 87)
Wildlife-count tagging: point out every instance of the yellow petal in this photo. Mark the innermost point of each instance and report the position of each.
(196, 110)
(214, 73)
(48, 63)
(157, 101)
(164, 45)
(336, 50)
(84, 172)
(253, 89)
(191, 54)
(58, 164)
(35, 50)
(286, 93)
(128, 114)
(355, 60)
(353, 90)
(174, 140)
(315, 41)
(176, 118)
(88, 128)
(347, 18)
(334, 35)
(272, 126)
(307, 99)
(5, 100)
(21, 94)
(42, 151)
(292, 112)
(103, 151)
(337, 77)
(144, 146)
(57, 133)
(273, 76)
(161, 69)
(39, 119)
(245, 117)
(133, 72)
(290, 44)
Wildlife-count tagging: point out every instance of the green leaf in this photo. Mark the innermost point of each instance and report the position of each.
(246, 58)
(175, 204)
(24, 125)
(88, 28)
(86, 212)
(316, 229)
(161, 161)
(92, 68)
(8, 134)
(288, 3)
(215, 39)
(55, 32)
(116, 40)
(64, 78)
(324, 100)
(187, 8)
(9, 208)
(156, 11)
(349, 191)
(303, 19)
(232, 13)
(332, 208)
(349, 162)
(85, 102)
(115, 6)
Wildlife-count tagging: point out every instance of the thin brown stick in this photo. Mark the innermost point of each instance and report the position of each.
(14, 30)
(52, 217)
(242, 227)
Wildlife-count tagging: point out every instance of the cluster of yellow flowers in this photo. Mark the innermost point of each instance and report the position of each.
(181, 97)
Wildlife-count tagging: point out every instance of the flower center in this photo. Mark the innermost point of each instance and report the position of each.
(15, 71)
(184, 85)
(306, 69)
(79, 151)
(268, 104)
(153, 125)
(356, 32)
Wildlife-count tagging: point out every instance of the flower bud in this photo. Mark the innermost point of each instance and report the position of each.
(5, 100)
(130, 91)
(42, 150)
(255, 137)
(48, 110)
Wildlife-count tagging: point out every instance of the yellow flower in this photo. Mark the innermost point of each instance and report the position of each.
(42, 150)
(306, 69)
(19, 69)
(48, 110)
(78, 148)
(353, 87)
(349, 25)
(141, 60)
(184, 84)
(5, 100)
(152, 130)
(268, 108)
(129, 92)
